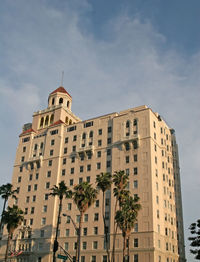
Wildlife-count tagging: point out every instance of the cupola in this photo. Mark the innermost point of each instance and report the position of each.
(60, 97)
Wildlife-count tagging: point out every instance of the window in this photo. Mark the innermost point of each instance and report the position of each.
(95, 244)
(22, 159)
(74, 138)
(88, 167)
(107, 201)
(135, 242)
(85, 217)
(108, 152)
(136, 258)
(93, 259)
(67, 232)
(51, 152)
(46, 196)
(26, 211)
(19, 179)
(80, 180)
(156, 160)
(36, 176)
(127, 171)
(24, 149)
(27, 199)
(96, 216)
(88, 124)
(97, 203)
(100, 132)
(54, 132)
(45, 208)
(99, 142)
(127, 159)
(41, 233)
(72, 170)
(34, 198)
(66, 140)
(52, 142)
(135, 144)
(43, 222)
(84, 245)
(109, 140)
(91, 134)
(65, 150)
(32, 210)
(50, 162)
(89, 154)
(109, 129)
(98, 165)
(21, 169)
(63, 172)
(64, 161)
(49, 174)
(88, 179)
(29, 188)
(66, 246)
(71, 182)
(108, 164)
(81, 169)
(31, 221)
(69, 206)
(82, 258)
(95, 230)
(85, 231)
(74, 149)
(98, 153)
(135, 184)
(47, 185)
(104, 259)
(35, 187)
(135, 171)
(136, 227)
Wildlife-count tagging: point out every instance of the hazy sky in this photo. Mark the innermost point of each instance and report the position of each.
(116, 54)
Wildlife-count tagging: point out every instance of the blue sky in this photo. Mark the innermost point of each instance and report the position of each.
(116, 54)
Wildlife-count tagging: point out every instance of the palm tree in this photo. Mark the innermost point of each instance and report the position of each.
(13, 217)
(84, 196)
(120, 180)
(61, 191)
(126, 218)
(104, 181)
(6, 191)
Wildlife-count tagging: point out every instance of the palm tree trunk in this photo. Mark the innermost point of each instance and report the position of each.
(128, 251)
(57, 228)
(124, 248)
(105, 229)
(8, 245)
(78, 248)
(114, 234)
(4, 207)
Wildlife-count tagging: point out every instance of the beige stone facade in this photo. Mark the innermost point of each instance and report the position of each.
(59, 146)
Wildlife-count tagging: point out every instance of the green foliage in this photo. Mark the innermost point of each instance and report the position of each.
(6, 191)
(104, 181)
(61, 190)
(195, 239)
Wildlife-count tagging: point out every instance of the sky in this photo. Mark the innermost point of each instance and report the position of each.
(115, 54)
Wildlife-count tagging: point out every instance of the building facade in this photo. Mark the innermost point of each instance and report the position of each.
(57, 146)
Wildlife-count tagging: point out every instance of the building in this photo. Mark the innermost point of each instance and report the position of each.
(59, 146)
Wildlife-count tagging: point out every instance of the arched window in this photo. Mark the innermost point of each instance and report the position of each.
(61, 100)
(51, 119)
(68, 104)
(46, 121)
(70, 122)
(53, 101)
(84, 136)
(42, 122)
(66, 119)
(127, 123)
(91, 133)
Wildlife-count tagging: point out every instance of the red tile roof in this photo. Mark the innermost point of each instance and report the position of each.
(57, 123)
(60, 90)
(27, 132)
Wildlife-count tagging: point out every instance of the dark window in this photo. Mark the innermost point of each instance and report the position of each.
(65, 150)
(91, 134)
(52, 142)
(99, 142)
(127, 159)
(98, 165)
(88, 179)
(73, 159)
(72, 170)
(108, 152)
(96, 216)
(88, 167)
(100, 131)
(74, 149)
(127, 146)
(109, 129)
(135, 242)
(88, 124)
(98, 153)
(49, 174)
(19, 179)
(109, 140)
(135, 171)
(64, 161)
(66, 140)
(71, 182)
(29, 188)
(24, 149)
(74, 138)
(81, 169)
(51, 152)
(108, 164)
(54, 132)
(50, 162)
(135, 158)
(63, 172)
(36, 176)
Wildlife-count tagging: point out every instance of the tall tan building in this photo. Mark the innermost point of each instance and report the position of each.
(58, 146)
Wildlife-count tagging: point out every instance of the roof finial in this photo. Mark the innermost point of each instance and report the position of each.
(62, 78)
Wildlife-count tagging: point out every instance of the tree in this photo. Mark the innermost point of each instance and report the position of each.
(104, 181)
(195, 240)
(6, 191)
(61, 191)
(126, 218)
(120, 180)
(84, 196)
(13, 217)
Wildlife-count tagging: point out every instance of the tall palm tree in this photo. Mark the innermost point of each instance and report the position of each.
(13, 217)
(6, 191)
(104, 181)
(120, 180)
(84, 196)
(61, 191)
(126, 218)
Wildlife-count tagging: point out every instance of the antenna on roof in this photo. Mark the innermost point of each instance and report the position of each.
(62, 78)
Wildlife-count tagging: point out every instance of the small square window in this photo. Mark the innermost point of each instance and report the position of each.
(100, 132)
(74, 149)
(108, 164)
(84, 245)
